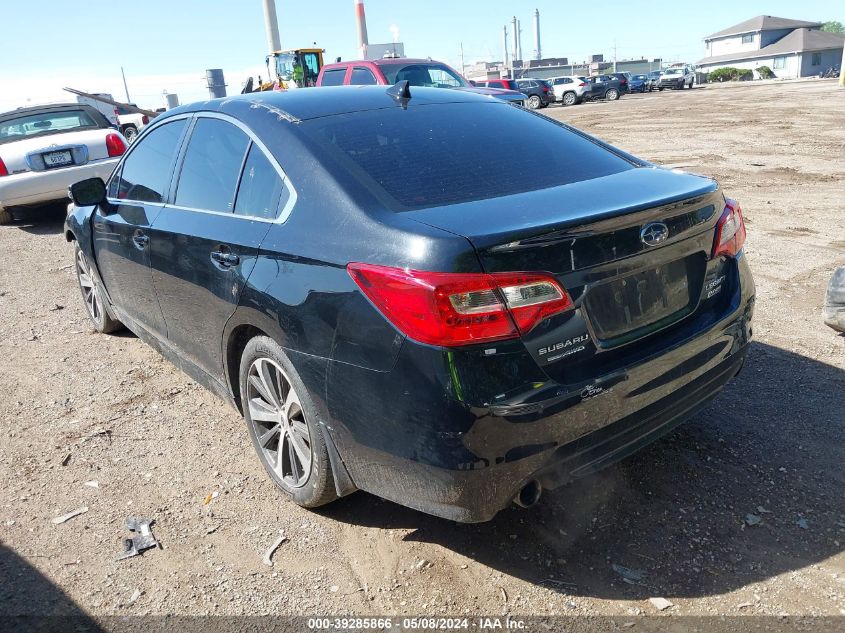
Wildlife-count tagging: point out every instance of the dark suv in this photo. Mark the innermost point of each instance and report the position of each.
(603, 87)
(540, 92)
(397, 302)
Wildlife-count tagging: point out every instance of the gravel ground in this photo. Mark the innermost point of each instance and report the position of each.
(672, 521)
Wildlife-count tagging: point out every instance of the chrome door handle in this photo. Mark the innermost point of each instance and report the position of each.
(226, 260)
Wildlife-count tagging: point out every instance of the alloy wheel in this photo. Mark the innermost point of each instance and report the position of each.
(534, 102)
(90, 290)
(569, 99)
(278, 422)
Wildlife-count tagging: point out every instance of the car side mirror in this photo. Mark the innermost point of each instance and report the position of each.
(88, 192)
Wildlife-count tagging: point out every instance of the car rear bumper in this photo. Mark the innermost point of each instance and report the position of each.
(36, 187)
(425, 438)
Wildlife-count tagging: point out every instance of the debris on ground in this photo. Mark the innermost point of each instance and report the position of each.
(70, 515)
(268, 555)
(661, 604)
(210, 496)
(631, 576)
(802, 523)
(56, 307)
(92, 484)
(753, 519)
(762, 510)
(744, 605)
(143, 539)
(133, 598)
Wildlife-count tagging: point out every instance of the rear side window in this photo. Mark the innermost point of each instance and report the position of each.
(333, 77)
(212, 165)
(362, 77)
(452, 153)
(495, 84)
(146, 171)
(261, 187)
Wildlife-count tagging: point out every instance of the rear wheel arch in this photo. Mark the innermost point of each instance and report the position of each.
(235, 345)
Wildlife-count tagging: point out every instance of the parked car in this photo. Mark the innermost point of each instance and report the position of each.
(834, 301)
(569, 89)
(603, 87)
(639, 83)
(418, 72)
(398, 303)
(106, 109)
(624, 81)
(677, 78)
(654, 79)
(131, 122)
(45, 149)
(539, 92)
(503, 84)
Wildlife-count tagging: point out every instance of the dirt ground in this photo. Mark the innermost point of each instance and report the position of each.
(670, 522)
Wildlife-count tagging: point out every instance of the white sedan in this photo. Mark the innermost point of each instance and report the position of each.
(45, 149)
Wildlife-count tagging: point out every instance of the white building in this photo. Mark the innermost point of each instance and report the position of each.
(790, 48)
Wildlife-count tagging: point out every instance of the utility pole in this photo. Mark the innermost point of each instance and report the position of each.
(842, 70)
(614, 55)
(505, 59)
(463, 66)
(125, 88)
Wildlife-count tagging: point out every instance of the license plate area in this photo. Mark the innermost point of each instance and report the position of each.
(60, 158)
(643, 302)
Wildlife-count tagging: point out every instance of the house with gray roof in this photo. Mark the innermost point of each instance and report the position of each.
(790, 48)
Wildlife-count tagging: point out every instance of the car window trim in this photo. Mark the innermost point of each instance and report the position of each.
(119, 168)
(282, 216)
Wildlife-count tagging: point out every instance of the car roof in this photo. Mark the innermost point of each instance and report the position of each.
(310, 103)
(52, 107)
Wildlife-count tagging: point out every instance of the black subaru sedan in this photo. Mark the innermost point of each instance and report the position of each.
(398, 303)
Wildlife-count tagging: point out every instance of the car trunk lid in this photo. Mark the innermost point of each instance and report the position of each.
(592, 236)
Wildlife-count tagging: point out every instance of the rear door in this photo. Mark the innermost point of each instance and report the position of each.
(136, 193)
(204, 246)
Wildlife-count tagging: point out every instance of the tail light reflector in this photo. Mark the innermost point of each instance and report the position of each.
(581, 85)
(452, 309)
(115, 144)
(145, 119)
(730, 231)
(3, 170)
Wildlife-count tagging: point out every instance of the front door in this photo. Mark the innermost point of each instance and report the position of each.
(136, 194)
(204, 246)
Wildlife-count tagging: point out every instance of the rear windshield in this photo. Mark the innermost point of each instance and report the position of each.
(445, 154)
(26, 126)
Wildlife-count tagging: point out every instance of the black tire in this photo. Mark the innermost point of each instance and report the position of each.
(534, 102)
(317, 487)
(92, 294)
(6, 217)
(660, 88)
(569, 98)
(130, 132)
(612, 94)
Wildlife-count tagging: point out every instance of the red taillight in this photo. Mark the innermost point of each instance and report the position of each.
(145, 119)
(545, 88)
(451, 309)
(730, 231)
(3, 170)
(115, 144)
(581, 85)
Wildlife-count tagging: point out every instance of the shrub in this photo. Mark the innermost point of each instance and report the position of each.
(729, 73)
(765, 72)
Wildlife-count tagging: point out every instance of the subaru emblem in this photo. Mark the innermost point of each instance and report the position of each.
(654, 233)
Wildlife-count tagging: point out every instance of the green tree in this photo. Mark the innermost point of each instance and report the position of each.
(833, 26)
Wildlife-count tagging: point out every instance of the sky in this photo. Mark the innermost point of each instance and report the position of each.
(166, 45)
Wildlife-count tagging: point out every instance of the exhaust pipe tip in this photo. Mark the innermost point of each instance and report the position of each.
(529, 495)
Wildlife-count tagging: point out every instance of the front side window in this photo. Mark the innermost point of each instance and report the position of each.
(211, 167)
(260, 191)
(362, 77)
(147, 169)
(779, 62)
